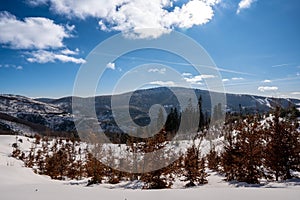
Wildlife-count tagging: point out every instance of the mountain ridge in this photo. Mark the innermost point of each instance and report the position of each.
(55, 115)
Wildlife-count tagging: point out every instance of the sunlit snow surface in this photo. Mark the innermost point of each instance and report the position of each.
(20, 183)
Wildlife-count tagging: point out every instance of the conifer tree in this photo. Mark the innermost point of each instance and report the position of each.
(57, 164)
(242, 156)
(172, 122)
(250, 148)
(40, 161)
(282, 150)
(94, 169)
(29, 161)
(213, 159)
(230, 155)
(189, 117)
(160, 119)
(194, 167)
(201, 123)
(160, 178)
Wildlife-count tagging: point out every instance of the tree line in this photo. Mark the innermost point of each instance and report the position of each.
(255, 148)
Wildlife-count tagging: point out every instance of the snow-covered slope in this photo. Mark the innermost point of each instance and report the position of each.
(24, 115)
(12, 103)
(18, 182)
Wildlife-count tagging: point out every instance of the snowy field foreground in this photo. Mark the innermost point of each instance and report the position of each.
(20, 183)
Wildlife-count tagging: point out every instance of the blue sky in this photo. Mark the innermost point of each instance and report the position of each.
(254, 43)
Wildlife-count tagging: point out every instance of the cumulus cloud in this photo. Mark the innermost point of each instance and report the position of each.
(267, 81)
(134, 16)
(244, 4)
(156, 70)
(267, 88)
(19, 67)
(70, 52)
(197, 79)
(32, 32)
(111, 66)
(186, 74)
(42, 56)
(163, 83)
(225, 80)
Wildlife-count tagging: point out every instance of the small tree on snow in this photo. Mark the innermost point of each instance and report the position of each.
(194, 167)
(282, 152)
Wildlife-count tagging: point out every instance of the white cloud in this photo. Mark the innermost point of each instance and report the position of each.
(244, 4)
(282, 65)
(36, 2)
(232, 79)
(298, 74)
(17, 67)
(70, 28)
(295, 93)
(163, 83)
(237, 79)
(267, 88)
(111, 66)
(156, 70)
(205, 76)
(131, 17)
(32, 32)
(42, 56)
(198, 78)
(186, 74)
(267, 81)
(70, 52)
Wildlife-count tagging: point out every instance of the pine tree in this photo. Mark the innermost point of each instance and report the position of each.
(230, 155)
(160, 119)
(72, 171)
(94, 169)
(250, 148)
(194, 167)
(29, 161)
(282, 150)
(201, 123)
(16, 150)
(189, 118)
(57, 164)
(213, 159)
(40, 161)
(172, 122)
(160, 178)
(79, 165)
(242, 156)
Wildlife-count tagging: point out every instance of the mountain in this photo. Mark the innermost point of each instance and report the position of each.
(19, 114)
(142, 100)
(54, 116)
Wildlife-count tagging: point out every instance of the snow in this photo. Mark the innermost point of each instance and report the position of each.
(18, 182)
(265, 101)
(19, 128)
(298, 106)
(24, 108)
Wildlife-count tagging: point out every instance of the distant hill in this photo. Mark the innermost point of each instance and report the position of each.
(19, 114)
(26, 115)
